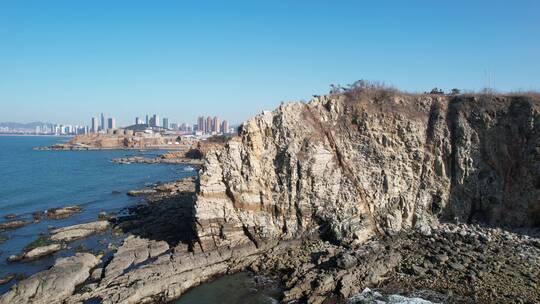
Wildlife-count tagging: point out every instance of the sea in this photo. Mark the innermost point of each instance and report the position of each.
(36, 180)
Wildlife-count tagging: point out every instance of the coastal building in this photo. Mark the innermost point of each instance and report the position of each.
(111, 123)
(225, 127)
(138, 121)
(216, 125)
(165, 123)
(201, 124)
(102, 125)
(208, 126)
(95, 126)
(147, 120)
(154, 121)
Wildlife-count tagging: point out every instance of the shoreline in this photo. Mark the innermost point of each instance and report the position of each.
(394, 265)
(40, 251)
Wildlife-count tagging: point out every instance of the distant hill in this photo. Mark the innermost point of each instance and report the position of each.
(18, 125)
(141, 127)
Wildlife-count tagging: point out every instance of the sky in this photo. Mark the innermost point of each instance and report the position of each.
(66, 61)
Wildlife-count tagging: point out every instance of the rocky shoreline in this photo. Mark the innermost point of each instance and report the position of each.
(407, 195)
(434, 266)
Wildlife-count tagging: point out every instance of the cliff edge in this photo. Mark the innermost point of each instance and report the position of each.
(367, 161)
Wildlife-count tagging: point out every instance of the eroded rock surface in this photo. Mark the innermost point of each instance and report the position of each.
(134, 251)
(53, 285)
(362, 163)
(13, 225)
(80, 231)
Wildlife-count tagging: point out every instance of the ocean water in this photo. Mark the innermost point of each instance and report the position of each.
(238, 288)
(33, 180)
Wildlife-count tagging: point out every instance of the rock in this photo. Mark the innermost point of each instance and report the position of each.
(15, 258)
(75, 232)
(441, 258)
(13, 225)
(141, 192)
(10, 216)
(62, 213)
(106, 216)
(7, 278)
(42, 251)
(96, 274)
(457, 266)
(133, 251)
(346, 261)
(53, 285)
(417, 270)
(37, 216)
(3, 238)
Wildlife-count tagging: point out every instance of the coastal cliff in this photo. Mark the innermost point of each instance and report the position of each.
(370, 162)
(360, 188)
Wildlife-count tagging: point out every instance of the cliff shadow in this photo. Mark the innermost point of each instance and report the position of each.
(493, 161)
(170, 219)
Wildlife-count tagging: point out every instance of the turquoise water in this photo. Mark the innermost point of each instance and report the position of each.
(239, 288)
(37, 180)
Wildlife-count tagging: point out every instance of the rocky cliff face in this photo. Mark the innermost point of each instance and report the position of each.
(336, 195)
(351, 165)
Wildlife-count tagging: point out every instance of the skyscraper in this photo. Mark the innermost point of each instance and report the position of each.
(208, 126)
(138, 121)
(165, 123)
(216, 125)
(103, 127)
(201, 124)
(154, 122)
(95, 127)
(112, 123)
(147, 121)
(225, 127)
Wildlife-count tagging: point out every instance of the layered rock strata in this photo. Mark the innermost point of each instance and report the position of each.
(353, 165)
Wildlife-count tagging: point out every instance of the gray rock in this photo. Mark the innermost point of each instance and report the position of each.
(53, 285)
(75, 232)
(13, 225)
(346, 261)
(133, 251)
(42, 251)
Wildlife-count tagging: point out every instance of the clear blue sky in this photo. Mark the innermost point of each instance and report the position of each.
(65, 61)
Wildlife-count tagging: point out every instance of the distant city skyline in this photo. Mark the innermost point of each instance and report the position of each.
(61, 60)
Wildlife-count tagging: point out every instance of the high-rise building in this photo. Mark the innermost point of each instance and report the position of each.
(147, 120)
(201, 124)
(95, 126)
(154, 121)
(208, 126)
(112, 123)
(138, 121)
(174, 126)
(225, 127)
(216, 125)
(103, 127)
(165, 123)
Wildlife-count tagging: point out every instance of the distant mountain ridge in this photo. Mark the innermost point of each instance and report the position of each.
(18, 125)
